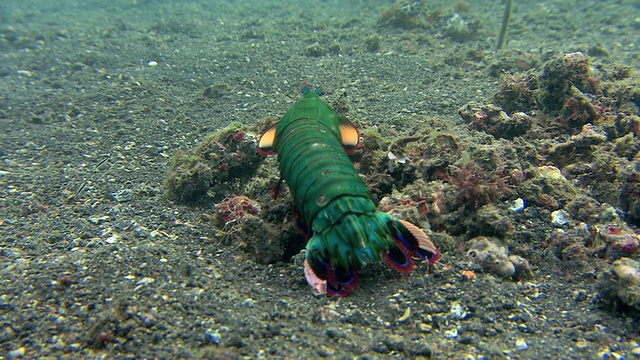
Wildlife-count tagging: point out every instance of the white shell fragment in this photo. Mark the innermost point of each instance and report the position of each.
(516, 206)
(559, 218)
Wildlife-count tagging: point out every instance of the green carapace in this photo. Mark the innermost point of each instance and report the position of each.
(346, 232)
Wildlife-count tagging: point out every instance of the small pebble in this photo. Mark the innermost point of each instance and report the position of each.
(17, 353)
(111, 239)
(466, 340)
(451, 334)
(212, 337)
(152, 63)
(145, 281)
(395, 342)
(7, 334)
(148, 320)
(559, 218)
(457, 311)
(326, 351)
(425, 328)
(516, 205)
(521, 344)
(98, 219)
(582, 345)
(123, 195)
(197, 291)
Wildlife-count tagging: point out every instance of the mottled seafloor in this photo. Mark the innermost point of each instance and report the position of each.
(97, 262)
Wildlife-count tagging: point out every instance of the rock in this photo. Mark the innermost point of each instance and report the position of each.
(621, 283)
(394, 342)
(560, 218)
(493, 120)
(493, 257)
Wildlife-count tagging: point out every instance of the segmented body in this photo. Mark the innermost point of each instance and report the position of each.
(313, 161)
(312, 142)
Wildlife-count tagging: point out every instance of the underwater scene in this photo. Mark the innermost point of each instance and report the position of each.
(355, 179)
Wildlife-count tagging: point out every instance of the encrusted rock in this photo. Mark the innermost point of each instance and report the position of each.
(616, 240)
(492, 256)
(493, 120)
(621, 283)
